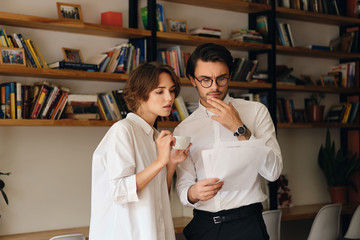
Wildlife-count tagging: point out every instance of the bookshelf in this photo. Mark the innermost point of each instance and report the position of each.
(272, 50)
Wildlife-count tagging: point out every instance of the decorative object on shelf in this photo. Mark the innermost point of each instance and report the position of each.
(111, 18)
(69, 12)
(160, 17)
(283, 192)
(12, 56)
(176, 25)
(338, 167)
(315, 109)
(2, 185)
(72, 55)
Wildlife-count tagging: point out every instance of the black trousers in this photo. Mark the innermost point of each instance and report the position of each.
(244, 223)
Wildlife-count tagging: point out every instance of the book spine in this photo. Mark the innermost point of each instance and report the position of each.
(39, 102)
(28, 54)
(2, 101)
(18, 101)
(62, 106)
(32, 52)
(105, 106)
(101, 109)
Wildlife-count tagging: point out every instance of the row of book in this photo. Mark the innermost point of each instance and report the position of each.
(244, 69)
(40, 101)
(285, 36)
(33, 55)
(246, 35)
(333, 7)
(161, 25)
(122, 58)
(175, 57)
(343, 112)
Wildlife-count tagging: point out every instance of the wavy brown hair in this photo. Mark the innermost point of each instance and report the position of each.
(143, 79)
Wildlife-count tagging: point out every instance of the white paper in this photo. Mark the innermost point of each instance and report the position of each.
(237, 164)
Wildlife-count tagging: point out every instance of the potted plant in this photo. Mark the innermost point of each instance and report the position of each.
(316, 110)
(2, 185)
(337, 166)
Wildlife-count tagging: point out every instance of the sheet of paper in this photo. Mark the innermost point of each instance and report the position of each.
(237, 164)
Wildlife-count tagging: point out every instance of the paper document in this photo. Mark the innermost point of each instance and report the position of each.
(235, 163)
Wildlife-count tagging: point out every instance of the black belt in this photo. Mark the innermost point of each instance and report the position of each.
(231, 214)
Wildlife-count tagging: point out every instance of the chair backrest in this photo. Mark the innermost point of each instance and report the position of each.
(326, 224)
(272, 219)
(69, 237)
(354, 226)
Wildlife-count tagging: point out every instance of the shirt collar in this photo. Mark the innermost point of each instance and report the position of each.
(143, 124)
(227, 99)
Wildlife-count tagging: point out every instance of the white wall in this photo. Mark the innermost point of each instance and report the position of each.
(49, 187)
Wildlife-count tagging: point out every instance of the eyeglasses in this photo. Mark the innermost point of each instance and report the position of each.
(207, 82)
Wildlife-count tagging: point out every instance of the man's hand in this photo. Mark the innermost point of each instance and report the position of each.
(204, 190)
(226, 114)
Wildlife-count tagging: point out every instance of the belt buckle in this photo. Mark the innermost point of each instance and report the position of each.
(217, 219)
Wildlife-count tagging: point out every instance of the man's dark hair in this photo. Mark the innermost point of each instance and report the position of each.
(209, 52)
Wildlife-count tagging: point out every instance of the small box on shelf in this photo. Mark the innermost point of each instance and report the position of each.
(111, 18)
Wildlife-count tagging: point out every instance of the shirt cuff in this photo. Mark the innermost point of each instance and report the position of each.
(186, 200)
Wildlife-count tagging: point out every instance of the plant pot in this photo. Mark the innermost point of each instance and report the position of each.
(316, 113)
(338, 194)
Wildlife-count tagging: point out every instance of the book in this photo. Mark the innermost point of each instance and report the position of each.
(27, 51)
(18, 97)
(335, 113)
(39, 54)
(26, 100)
(32, 52)
(200, 31)
(11, 99)
(73, 66)
(53, 94)
(181, 108)
(262, 26)
(353, 112)
(2, 101)
(119, 98)
(59, 104)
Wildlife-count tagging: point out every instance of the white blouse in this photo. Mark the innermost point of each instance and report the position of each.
(206, 134)
(117, 210)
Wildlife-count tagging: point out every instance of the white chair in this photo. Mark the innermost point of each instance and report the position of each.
(353, 231)
(69, 237)
(326, 224)
(272, 219)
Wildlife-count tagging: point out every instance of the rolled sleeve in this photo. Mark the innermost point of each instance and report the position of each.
(124, 190)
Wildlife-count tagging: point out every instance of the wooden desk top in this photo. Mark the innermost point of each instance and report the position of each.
(288, 214)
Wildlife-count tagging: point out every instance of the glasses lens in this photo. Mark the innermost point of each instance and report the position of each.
(221, 81)
(206, 82)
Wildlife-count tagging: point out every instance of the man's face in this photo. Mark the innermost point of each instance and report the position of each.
(206, 71)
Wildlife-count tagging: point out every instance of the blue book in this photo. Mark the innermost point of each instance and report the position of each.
(27, 52)
(318, 47)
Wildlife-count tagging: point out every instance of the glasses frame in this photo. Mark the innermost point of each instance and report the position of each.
(212, 81)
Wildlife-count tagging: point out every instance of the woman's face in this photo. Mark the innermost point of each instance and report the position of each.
(160, 100)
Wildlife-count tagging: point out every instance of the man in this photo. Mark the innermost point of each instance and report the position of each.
(236, 139)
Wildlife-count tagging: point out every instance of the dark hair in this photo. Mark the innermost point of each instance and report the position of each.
(209, 52)
(143, 79)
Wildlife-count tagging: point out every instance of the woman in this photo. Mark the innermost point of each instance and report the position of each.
(134, 164)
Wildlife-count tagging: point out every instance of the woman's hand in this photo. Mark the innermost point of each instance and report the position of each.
(163, 143)
(179, 155)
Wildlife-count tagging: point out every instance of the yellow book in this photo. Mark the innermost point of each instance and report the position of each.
(39, 54)
(10, 42)
(180, 106)
(346, 113)
(4, 38)
(32, 52)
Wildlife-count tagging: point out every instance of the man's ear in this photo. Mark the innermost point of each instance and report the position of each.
(192, 81)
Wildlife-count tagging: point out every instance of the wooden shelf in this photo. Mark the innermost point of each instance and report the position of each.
(55, 123)
(319, 125)
(314, 53)
(309, 88)
(27, 21)
(62, 74)
(313, 17)
(187, 39)
(167, 124)
(230, 5)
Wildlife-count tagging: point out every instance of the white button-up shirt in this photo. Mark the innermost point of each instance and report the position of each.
(117, 210)
(205, 133)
